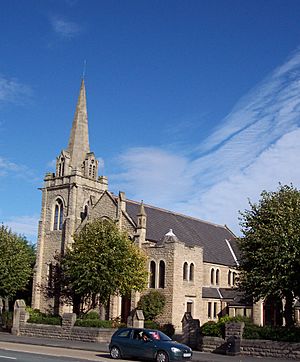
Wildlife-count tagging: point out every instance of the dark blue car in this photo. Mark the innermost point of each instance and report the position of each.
(147, 344)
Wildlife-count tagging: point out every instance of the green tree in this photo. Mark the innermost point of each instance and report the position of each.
(152, 304)
(16, 263)
(270, 248)
(103, 261)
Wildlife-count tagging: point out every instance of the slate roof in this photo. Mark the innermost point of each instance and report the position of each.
(211, 293)
(189, 230)
(232, 295)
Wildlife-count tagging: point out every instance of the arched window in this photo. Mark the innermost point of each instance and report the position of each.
(185, 271)
(191, 272)
(212, 276)
(50, 276)
(152, 274)
(84, 213)
(229, 277)
(189, 307)
(233, 278)
(217, 276)
(162, 271)
(58, 215)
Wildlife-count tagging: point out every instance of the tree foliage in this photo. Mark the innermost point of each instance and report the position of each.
(270, 247)
(102, 262)
(152, 304)
(16, 263)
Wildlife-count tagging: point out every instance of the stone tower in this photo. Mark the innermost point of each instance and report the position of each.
(67, 196)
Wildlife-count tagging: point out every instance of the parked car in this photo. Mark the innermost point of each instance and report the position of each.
(147, 344)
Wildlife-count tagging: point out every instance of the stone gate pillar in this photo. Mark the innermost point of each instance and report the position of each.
(20, 316)
(191, 331)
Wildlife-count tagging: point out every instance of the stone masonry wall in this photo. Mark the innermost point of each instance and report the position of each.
(255, 347)
(83, 334)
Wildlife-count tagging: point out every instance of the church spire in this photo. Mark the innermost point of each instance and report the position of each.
(79, 139)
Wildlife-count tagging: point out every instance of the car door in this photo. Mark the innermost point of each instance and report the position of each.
(123, 341)
(137, 344)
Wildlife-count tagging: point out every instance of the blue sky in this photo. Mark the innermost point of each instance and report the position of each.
(193, 106)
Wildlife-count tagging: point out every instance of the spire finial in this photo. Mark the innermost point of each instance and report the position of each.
(142, 211)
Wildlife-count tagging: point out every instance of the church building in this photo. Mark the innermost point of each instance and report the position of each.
(191, 261)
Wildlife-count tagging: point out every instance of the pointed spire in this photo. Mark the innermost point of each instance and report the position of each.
(79, 139)
(142, 211)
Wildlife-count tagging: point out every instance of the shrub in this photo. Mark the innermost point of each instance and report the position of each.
(7, 320)
(90, 315)
(217, 329)
(96, 323)
(284, 334)
(37, 317)
(45, 319)
(151, 325)
(252, 331)
(168, 329)
(212, 329)
(152, 304)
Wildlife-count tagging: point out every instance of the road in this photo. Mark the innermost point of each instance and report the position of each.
(32, 353)
(21, 352)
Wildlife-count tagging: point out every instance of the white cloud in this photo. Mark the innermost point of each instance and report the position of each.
(149, 171)
(13, 91)
(11, 169)
(24, 225)
(65, 28)
(256, 147)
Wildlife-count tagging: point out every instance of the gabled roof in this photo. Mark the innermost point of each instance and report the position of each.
(234, 297)
(211, 237)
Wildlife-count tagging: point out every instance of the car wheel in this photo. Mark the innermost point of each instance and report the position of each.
(162, 357)
(115, 353)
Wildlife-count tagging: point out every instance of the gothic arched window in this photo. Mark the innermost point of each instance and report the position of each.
(229, 277)
(191, 272)
(233, 278)
(217, 276)
(152, 274)
(84, 213)
(185, 271)
(212, 276)
(58, 215)
(162, 271)
(61, 167)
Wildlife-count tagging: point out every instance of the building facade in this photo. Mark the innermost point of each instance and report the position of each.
(192, 262)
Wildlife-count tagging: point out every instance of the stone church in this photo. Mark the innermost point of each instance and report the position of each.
(191, 261)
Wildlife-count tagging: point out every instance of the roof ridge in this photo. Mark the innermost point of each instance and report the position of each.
(179, 214)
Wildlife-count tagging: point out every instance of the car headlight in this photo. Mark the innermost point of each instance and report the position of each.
(175, 349)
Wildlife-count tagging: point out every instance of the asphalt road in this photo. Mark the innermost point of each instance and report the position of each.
(34, 353)
(33, 349)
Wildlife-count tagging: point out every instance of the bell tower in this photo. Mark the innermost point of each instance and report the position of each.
(67, 196)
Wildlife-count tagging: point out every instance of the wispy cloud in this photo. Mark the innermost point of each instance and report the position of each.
(255, 147)
(65, 28)
(24, 225)
(11, 169)
(13, 91)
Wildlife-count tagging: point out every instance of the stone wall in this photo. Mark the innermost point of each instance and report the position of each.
(274, 349)
(253, 347)
(83, 334)
(66, 331)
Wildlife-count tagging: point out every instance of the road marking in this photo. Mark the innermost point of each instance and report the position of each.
(8, 357)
